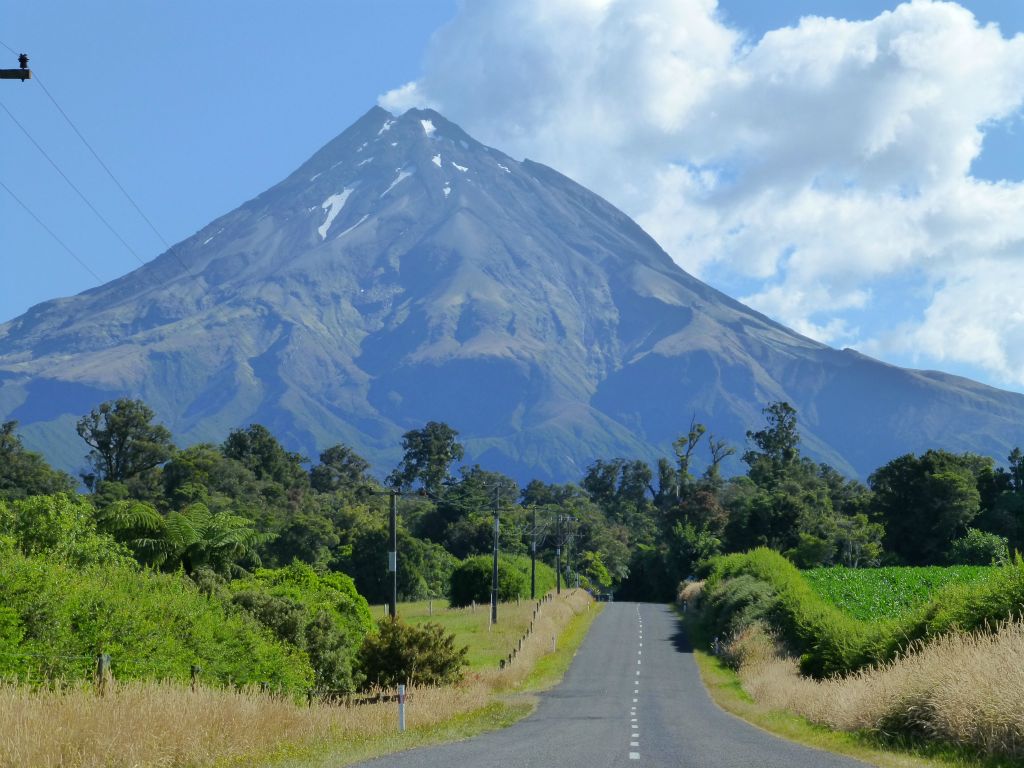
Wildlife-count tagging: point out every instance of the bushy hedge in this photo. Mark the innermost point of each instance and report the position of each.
(319, 613)
(831, 641)
(58, 616)
(471, 579)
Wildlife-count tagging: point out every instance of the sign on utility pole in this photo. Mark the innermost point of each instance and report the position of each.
(23, 74)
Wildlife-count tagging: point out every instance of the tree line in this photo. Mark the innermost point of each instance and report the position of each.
(216, 512)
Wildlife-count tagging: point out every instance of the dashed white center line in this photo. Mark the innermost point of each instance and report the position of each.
(634, 755)
(634, 743)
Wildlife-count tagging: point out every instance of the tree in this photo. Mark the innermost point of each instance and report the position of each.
(926, 502)
(777, 445)
(26, 473)
(197, 538)
(261, 453)
(429, 453)
(124, 441)
(343, 470)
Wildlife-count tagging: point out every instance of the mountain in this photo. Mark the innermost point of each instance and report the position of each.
(408, 273)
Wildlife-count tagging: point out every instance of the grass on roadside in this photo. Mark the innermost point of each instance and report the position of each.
(149, 724)
(725, 687)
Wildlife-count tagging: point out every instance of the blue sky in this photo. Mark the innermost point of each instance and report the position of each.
(858, 178)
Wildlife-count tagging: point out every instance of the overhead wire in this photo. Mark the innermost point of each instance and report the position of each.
(71, 184)
(49, 231)
(170, 249)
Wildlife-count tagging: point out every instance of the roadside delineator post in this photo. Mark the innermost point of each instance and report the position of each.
(401, 708)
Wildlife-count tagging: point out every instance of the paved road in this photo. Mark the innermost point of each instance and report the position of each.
(632, 697)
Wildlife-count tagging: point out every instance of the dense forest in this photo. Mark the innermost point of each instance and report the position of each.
(246, 544)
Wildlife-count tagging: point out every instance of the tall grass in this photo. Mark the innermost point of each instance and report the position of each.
(146, 724)
(963, 689)
(165, 724)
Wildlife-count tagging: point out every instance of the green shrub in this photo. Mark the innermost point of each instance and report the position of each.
(400, 653)
(319, 613)
(979, 548)
(154, 626)
(735, 604)
(63, 526)
(471, 580)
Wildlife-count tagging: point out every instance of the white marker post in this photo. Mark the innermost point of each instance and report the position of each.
(401, 708)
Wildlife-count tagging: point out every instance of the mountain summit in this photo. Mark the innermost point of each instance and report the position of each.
(408, 273)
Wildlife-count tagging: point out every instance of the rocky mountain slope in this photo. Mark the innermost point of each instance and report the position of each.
(408, 273)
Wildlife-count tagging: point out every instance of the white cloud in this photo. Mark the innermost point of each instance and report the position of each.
(819, 162)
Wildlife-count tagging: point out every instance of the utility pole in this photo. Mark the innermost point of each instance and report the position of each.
(23, 74)
(393, 556)
(494, 570)
(533, 558)
(558, 553)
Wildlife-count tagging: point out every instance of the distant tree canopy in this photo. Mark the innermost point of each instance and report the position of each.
(429, 454)
(925, 502)
(124, 441)
(217, 512)
(26, 473)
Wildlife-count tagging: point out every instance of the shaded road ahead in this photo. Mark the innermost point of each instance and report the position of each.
(632, 697)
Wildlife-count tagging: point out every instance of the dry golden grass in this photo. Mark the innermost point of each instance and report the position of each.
(167, 725)
(960, 689)
(690, 594)
(164, 724)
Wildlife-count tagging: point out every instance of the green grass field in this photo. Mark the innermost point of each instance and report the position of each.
(487, 644)
(887, 593)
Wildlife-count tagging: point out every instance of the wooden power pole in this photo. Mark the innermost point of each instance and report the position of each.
(23, 74)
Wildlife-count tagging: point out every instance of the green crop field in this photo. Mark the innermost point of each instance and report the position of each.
(887, 593)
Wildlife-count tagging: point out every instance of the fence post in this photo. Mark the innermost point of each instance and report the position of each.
(102, 673)
(196, 670)
(401, 708)
(430, 607)
(554, 644)
(501, 663)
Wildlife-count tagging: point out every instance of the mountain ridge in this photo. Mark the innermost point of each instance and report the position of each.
(407, 273)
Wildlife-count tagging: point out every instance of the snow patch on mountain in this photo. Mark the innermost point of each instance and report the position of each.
(428, 127)
(333, 206)
(458, 167)
(386, 127)
(436, 160)
(403, 174)
(342, 234)
(447, 190)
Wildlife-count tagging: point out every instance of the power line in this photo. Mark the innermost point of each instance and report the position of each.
(103, 165)
(106, 168)
(120, 186)
(40, 222)
(72, 184)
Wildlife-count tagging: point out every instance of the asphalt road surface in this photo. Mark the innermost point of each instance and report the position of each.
(632, 697)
